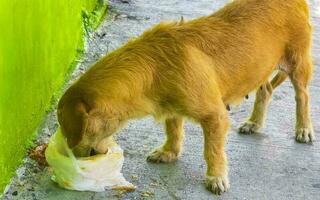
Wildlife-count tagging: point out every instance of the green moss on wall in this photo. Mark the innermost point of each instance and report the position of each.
(38, 42)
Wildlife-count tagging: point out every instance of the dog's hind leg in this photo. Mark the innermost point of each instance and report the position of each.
(300, 77)
(263, 94)
(171, 149)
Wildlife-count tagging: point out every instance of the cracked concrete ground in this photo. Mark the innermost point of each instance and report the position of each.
(270, 165)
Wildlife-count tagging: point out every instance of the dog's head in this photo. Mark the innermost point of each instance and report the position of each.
(88, 129)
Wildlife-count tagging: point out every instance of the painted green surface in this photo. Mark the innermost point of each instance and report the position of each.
(38, 42)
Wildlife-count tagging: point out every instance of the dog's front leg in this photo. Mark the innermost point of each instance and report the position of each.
(171, 149)
(215, 126)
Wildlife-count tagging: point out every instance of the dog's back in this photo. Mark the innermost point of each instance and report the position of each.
(247, 39)
(231, 52)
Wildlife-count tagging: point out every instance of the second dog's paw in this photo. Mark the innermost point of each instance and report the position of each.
(305, 135)
(249, 127)
(161, 156)
(217, 185)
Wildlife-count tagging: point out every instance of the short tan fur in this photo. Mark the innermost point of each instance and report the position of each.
(195, 69)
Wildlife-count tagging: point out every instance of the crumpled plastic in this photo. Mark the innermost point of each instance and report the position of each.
(95, 173)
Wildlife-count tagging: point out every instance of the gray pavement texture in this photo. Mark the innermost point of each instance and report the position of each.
(269, 165)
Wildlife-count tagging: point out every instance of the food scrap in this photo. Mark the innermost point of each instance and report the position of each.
(129, 188)
(38, 154)
(134, 177)
(146, 194)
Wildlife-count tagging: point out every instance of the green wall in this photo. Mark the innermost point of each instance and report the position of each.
(39, 39)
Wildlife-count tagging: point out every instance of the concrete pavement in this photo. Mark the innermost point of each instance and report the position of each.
(270, 165)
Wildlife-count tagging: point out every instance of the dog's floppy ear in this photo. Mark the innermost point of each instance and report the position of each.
(73, 119)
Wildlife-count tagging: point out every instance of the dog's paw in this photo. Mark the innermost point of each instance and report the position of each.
(217, 185)
(305, 135)
(249, 127)
(159, 155)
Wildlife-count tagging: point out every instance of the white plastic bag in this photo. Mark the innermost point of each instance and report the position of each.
(96, 173)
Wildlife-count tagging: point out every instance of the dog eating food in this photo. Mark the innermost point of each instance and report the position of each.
(195, 69)
(95, 173)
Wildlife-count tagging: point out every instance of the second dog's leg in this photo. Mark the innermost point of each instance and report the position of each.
(256, 120)
(171, 149)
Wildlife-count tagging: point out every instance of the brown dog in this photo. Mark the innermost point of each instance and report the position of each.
(195, 69)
